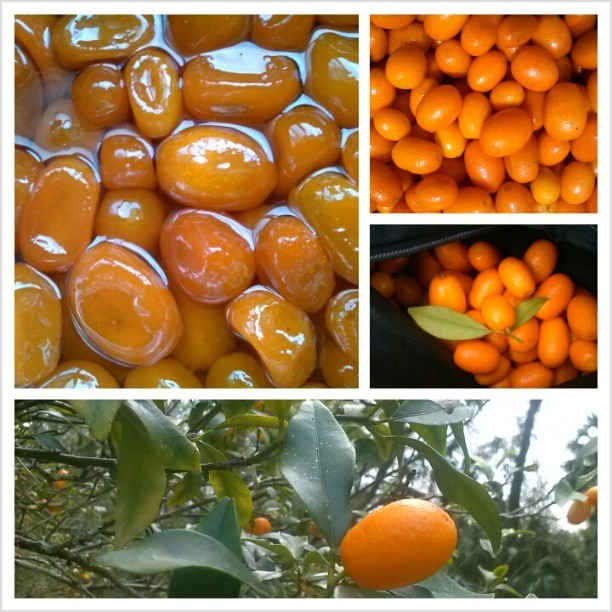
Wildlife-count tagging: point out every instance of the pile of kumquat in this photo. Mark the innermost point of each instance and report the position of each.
(558, 341)
(186, 201)
(483, 113)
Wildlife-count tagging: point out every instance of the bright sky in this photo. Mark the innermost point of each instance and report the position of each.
(551, 434)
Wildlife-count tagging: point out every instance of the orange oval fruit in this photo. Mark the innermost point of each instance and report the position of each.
(559, 289)
(554, 342)
(497, 313)
(578, 512)
(237, 371)
(435, 192)
(122, 306)
(528, 333)
(399, 544)
(541, 258)
(152, 84)
(163, 374)
(406, 67)
(280, 332)
(505, 132)
(446, 290)
(535, 68)
(532, 376)
(289, 254)
(583, 355)
(259, 526)
(439, 108)
(565, 111)
(188, 162)
(333, 75)
(57, 223)
(329, 202)
(208, 255)
(79, 375)
(227, 88)
(582, 316)
(476, 356)
(38, 325)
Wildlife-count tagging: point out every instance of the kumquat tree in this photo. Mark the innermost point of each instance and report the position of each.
(302, 499)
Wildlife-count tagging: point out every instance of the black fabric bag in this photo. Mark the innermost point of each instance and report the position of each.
(404, 356)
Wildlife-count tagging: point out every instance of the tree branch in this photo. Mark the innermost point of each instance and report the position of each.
(51, 456)
(60, 553)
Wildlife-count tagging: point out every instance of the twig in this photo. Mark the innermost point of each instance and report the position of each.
(56, 551)
(51, 456)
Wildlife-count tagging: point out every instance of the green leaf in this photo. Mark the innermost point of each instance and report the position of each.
(188, 488)
(314, 557)
(441, 586)
(343, 591)
(427, 412)
(141, 479)
(274, 547)
(175, 450)
(279, 408)
(366, 452)
(318, 461)
(178, 548)
(563, 492)
(202, 412)
(295, 544)
(97, 414)
(434, 435)
(586, 479)
(461, 489)
(235, 407)
(457, 429)
(250, 420)
(396, 428)
(484, 466)
(227, 483)
(446, 323)
(385, 447)
(46, 440)
(590, 448)
(221, 523)
(527, 310)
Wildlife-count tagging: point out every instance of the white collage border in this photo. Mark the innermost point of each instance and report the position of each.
(600, 398)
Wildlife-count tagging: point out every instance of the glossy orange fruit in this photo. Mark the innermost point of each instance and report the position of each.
(516, 277)
(541, 258)
(578, 512)
(583, 355)
(528, 333)
(532, 376)
(406, 67)
(476, 356)
(553, 342)
(483, 255)
(497, 313)
(559, 289)
(505, 132)
(435, 192)
(399, 544)
(259, 526)
(535, 68)
(445, 290)
(582, 317)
